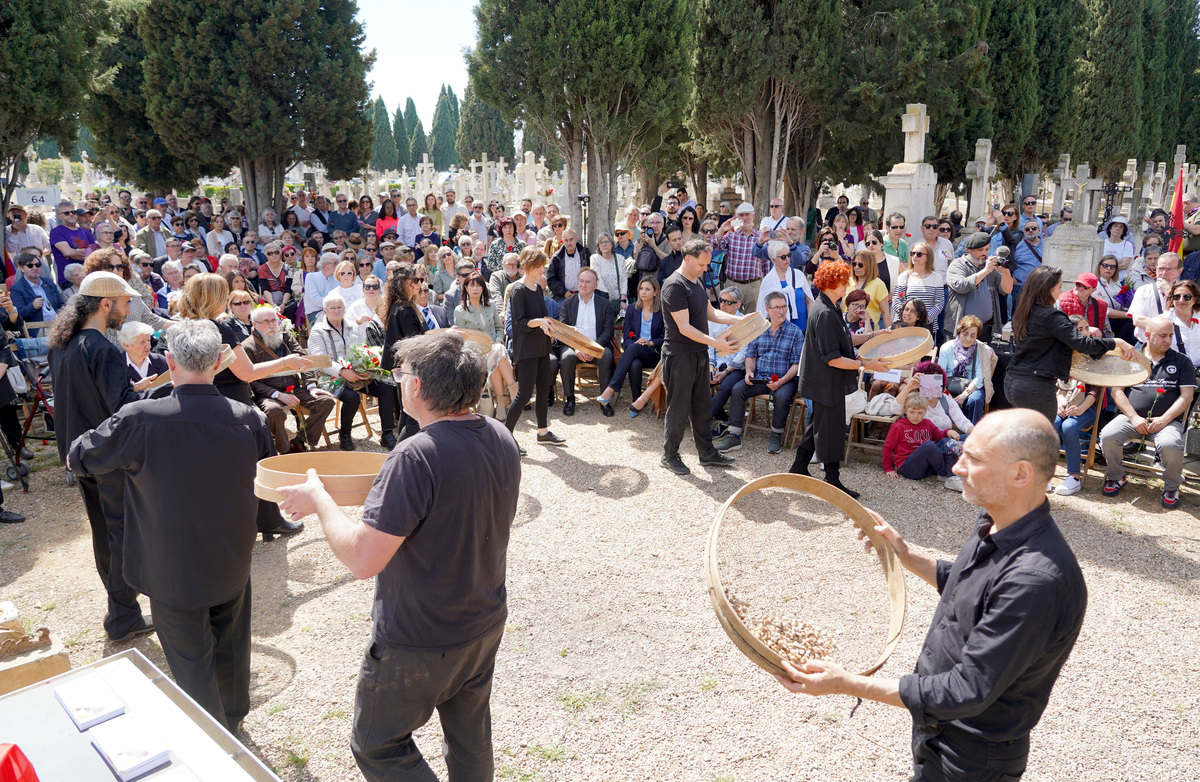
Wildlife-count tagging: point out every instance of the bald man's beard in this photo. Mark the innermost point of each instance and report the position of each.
(273, 341)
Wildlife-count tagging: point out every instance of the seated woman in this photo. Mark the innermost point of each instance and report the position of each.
(1184, 299)
(858, 323)
(729, 370)
(333, 336)
(140, 363)
(1114, 291)
(969, 365)
(644, 334)
(241, 303)
(912, 314)
(478, 312)
(916, 448)
(943, 411)
(1076, 412)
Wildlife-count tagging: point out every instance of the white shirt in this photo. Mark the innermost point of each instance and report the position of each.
(357, 310)
(478, 226)
(794, 281)
(585, 319)
(1190, 332)
(301, 213)
(316, 285)
(407, 228)
(352, 294)
(143, 369)
(571, 266)
(769, 223)
(32, 236)
(1148, 301)
(943, 253)
(1122, 249)
(449, 210)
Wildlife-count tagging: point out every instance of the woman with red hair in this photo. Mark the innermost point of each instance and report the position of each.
(828, 371)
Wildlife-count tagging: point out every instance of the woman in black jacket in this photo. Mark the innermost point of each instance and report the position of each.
(1044, 339)
(531, 345)
(398, 311)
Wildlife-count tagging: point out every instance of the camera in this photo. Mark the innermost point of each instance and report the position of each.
(1004, 258)
(648, 231)
(583, 198)
(830, 244)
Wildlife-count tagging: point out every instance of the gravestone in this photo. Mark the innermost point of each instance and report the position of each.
(1061, 178)
(31, 157)
(910, 184)
(980, 171)
(1085, 186)
(68, 180)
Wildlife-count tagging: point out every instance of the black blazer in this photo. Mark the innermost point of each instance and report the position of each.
(526, 305)
(1049, 342)
(555, 278)
(633, 323)
(402, 322)
(569, 314)
(158, 365)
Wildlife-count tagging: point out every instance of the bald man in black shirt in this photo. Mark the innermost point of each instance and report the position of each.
(1011, 607)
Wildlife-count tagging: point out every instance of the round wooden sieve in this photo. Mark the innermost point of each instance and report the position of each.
(898, 347)
(347, 476)
(1110, 369)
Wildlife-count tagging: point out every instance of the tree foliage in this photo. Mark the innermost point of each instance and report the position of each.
(400, 134)
(1060, 44)
(419, 146)
(383, 150)
(1111, 86)
(1013, 78)
(482, 130)
(238, 86)
(443, 136)
(47, 68)
(410, 120)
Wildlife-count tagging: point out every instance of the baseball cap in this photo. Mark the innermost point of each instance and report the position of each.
(1088, 280)
(160, 201)
(81, 212)
(105, 284)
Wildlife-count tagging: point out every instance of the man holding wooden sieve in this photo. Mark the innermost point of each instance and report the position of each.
(1011, 607)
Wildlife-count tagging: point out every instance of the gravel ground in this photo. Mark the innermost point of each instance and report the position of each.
(613, 666)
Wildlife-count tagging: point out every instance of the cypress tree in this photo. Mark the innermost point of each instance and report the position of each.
(1181, 117)
(481, 130)
(454, 105)
(383, 150)
(1014, 81)
(400, 134)
(1154, 79)
(444, 134)
(1111, 86)
(410, 120)
(419, 146)
(1060, 43)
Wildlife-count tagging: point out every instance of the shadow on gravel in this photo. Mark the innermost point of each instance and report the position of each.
(529, 508)
(312, 576)
(613, 481)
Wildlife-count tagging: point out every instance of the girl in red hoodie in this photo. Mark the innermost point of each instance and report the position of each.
(914, 447)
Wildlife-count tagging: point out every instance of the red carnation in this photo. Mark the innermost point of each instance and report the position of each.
(632, 335)
(289, 389)
(1161, 390)
(774, 378)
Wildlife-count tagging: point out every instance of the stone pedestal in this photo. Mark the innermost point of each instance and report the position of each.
(979, 172)
(1074, 248)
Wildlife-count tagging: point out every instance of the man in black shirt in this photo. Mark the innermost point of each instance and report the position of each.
(189, 533)
(1010, 611)
(436, 539)
(685, 359)
(90, 384)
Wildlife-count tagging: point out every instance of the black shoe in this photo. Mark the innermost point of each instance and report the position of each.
(607, 409)
(8, 517)
(346, 442)
(675, 465)
(26, 453)
(837, 484)
(285, 530)
(718, 460)
(569, 407)
(387, 440)
(147, 626)
(550, 438)
(522, 451)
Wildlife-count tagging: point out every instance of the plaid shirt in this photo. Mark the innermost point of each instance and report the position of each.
(740, 263)
(775, 353)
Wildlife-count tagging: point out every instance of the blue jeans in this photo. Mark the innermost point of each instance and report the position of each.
(975, 405)
(928, 459)
(1068, 430)
(783, 403)
(721, 395)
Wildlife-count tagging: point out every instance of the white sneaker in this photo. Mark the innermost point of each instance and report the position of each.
(1049, 486)
(953, 483)
(5, 485)
(1070, 486)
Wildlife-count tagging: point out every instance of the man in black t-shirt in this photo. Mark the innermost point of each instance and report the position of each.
(685, 359)
(436, 539)
(1154, 410)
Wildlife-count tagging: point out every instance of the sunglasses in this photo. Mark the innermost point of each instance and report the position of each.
(154, 218)
(1031, 230)
(289, 255)
(943, 230)
(370, 287)
(366, 265)
(917, 253)
(728, 301)
(464, 275)
(930, 226)
(241, 304)
(1182, 297)
(896, 227)
(116, 266)
(709, 232)
(776, 206)
(1009, 214)
(146, 265)
(1108, 266)
(859, 265)
(36, 265)
(345, 274)
(871, 243)
(1030, 203)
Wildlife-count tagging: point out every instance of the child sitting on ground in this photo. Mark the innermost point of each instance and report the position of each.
(916, 449)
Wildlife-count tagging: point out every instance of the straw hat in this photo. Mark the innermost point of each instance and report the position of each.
(105, 285)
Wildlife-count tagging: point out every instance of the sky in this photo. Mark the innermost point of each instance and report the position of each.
(418, 46)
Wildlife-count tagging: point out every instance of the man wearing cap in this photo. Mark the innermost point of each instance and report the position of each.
(976, 281)
(737, 238)
(191, 531)
(153, 239)
(1081, 301)
(68, 239)
(35, 298)
(21, 234)
(90, 384)
(1064, 216)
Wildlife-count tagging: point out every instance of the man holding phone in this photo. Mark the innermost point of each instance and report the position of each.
(737, 237)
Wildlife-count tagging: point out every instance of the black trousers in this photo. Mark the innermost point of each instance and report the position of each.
(1033, 392)
(532, 374)
(941, 756)
(208, 650)
(825, 435)
(10, 424)
(635, 358)
(350, 399)
(398, 689)
(104, 502)
(569, 366)
(686, 378)
(269, 518)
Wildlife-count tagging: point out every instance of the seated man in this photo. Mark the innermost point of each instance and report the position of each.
(1156, 410)
(279, 395)
(772, 361)
(592, 315)
(34, 299)
(509, 273)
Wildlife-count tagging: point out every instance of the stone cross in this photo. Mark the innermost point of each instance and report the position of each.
(1085, 186)
(1158, 186)
(68, 179)
(31, 157)
(979, 171)
(915, 124)
(1134, 196)
(1173, 174)
(485, 183)
(1059, 177)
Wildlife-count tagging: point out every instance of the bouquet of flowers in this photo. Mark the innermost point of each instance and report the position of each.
(363, 359)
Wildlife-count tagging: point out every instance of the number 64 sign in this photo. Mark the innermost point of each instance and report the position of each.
(37, 196)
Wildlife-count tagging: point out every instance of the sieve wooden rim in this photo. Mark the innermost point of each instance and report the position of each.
(1083, 374)
(746, 330)
(758, 652)
(899, 359)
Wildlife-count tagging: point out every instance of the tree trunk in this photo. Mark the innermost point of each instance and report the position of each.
(262, 180)
(602, 206)
(570, 143)
(700, 186)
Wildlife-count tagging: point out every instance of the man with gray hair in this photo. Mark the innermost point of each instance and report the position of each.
(190, 532)
(152, 240)
(440, 597)
(463, 269)
(319, 283)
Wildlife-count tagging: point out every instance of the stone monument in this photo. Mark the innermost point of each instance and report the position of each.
(1075, 247)
(980, 171)
(910, 185)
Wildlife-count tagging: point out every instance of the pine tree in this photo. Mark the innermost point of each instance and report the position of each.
(444, 133)
(383, 151)
(1111, 86)
(410, 120)
(260, 113)
(400, 134)
(419, 147)
(1014, 82)
(482, 130)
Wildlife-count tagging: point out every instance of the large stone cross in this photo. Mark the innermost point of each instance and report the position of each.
(1084, 187)
(915, 124)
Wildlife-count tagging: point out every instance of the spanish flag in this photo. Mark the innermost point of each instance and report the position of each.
(1177, 215)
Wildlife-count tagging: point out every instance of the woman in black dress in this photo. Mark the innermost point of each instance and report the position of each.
(825, 380)
(531, 345)
(204, 298)
(401, 320)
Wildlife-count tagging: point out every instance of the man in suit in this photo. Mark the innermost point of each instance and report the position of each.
(563, 274)
(590, 313)
(435, 316)
(278, 396)
(152, 240)
(34, 299)
(174, 253)
(191, 532)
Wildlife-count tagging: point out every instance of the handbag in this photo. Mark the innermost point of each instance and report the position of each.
(956, 385)
(16, 378)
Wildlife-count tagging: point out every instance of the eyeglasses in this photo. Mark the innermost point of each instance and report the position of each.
(728, 301)
(345, 274)
(273, 252)
(776, 206)
(1009, 214)
(709, 232)
(117, 267)
(398, 375)
(464, 275)
(930, 226)
(917, 253)
(1108, 266)
(1181, 297)
(35, 265)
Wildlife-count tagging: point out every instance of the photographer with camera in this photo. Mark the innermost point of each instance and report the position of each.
(977, 281)
(825, 249)
(737, 237)
(648, 253)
